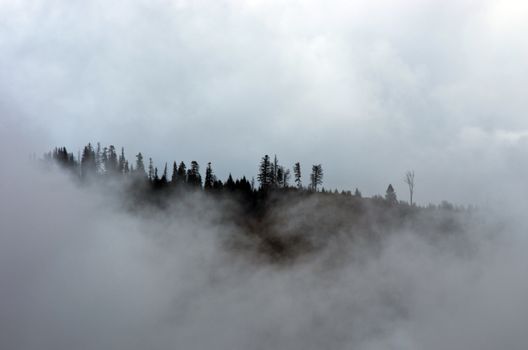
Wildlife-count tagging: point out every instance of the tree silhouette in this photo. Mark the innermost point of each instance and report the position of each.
(316, 177)
(182, 175)
(194, 178)
(151, 170)
(174, 177)
(297, 174)
(265, 174)
(88, 161)
(230, 184)
(122, 161)
(111, 166)
(98, 159)
(209, 177)
(390, 195)
(409, 180)
(140, 166)
(163, 179)
(275, 172)
(285, 177)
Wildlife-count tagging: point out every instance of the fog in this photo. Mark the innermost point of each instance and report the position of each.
(80, 271)
(368, 88)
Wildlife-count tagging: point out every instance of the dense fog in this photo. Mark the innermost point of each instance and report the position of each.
(79, 270)
(366, 89)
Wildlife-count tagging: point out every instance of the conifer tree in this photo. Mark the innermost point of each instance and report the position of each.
(104, 161)
(275, 171)
(280, 176)
(230, 184)
(357, 193)
(285, 178)
(390, 195)
(111, 161)
(182, 174)
(209, 177)
(121, 162)
(88, 164)
(316, 177)
(98, 160)
(265, 172)
(151, 170)
(164, 176)
(193, 175)
(140, 166)
(297, 174)
(174, 177)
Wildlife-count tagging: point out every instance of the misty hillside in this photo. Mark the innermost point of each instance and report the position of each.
(276, 218)
(274, 203)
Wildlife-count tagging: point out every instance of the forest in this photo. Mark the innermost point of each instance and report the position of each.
(278, 217)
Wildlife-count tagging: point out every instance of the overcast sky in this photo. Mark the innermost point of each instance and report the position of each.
(367, 88)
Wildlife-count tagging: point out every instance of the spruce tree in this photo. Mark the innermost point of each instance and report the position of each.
(164, 176)
(88, 163)
(316, 177)
(390, 195)
(209, 177)
(265, 172)
(140, 166)
(174, 178)
(182, 174)
(297, 174)
(151, 170)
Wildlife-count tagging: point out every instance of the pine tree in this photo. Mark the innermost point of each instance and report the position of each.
(122, 161)
(390, 195)
(265, 172)
(151, 170)
(193, 175)
(112, 164)
(316, 177)
(357, 193)
(182, 174)
(209, 177)
(280, 176)
(88, 163)
(275, 171)
(140, 166)
(230, 184)
(285, 178)
(174, 178)
(164, 176)
(98, 160)
(104, 161)
(297, 174)
(156, 177)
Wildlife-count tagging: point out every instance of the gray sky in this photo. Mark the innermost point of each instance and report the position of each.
(368, 88)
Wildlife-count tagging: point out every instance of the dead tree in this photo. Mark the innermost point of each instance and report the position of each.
(409, 180)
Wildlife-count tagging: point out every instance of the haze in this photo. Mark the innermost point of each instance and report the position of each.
(368, 88)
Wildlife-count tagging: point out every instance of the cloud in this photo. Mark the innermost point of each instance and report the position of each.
(79, 271)
(369, 89)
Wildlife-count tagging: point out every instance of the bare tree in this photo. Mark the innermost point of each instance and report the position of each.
(409, 180)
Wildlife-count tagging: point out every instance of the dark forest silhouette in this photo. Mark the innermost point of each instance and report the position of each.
(263, 209)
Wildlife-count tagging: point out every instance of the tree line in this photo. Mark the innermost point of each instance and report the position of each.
(103, 162)
(260, 206)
